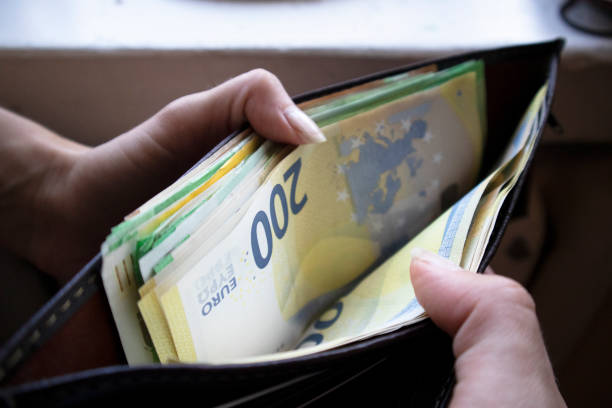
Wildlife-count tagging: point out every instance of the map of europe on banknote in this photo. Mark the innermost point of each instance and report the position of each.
(384, 300)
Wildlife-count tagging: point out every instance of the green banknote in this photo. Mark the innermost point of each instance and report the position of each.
(120, 275)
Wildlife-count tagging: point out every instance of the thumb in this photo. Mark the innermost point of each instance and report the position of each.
(500, 355)
(154, 153)
(192, 124)
(121, 173)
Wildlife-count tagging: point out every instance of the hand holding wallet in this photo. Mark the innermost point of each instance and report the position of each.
(535, 65)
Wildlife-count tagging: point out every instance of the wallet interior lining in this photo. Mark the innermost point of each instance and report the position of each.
(510, 88)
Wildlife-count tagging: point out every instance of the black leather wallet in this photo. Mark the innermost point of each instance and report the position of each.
(412, 366)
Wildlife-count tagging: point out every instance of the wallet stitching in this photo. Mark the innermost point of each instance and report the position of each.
(23, 350)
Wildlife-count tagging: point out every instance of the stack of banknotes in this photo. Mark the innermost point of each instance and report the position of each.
(266, 251)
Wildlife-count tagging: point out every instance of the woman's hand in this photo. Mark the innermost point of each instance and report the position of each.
(59, 199)
(501, 360)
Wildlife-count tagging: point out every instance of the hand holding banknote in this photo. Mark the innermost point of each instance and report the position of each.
(66, 196)
(59, 198)
(70, 195)
(500, 355)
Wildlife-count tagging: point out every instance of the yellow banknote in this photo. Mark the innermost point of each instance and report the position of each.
(385, 300)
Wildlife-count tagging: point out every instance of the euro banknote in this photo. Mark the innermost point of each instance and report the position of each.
(120, 276)
(264, 251)
(325, 217)
(385, 300)
(392, 88)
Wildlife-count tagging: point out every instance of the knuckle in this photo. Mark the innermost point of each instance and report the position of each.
(514, 293)
(171, 108)
(262, 77)
(171, 113)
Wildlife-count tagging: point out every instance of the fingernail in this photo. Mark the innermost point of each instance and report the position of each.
(432, 259)
(303, 125)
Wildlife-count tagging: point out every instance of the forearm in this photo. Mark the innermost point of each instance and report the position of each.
(34, 160)
(59, 198)
(29, 150)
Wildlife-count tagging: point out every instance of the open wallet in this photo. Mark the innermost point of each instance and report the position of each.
(430, 155)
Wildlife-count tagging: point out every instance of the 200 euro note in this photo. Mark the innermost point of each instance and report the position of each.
(326, 216)
(375, 94)
(384, 300)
